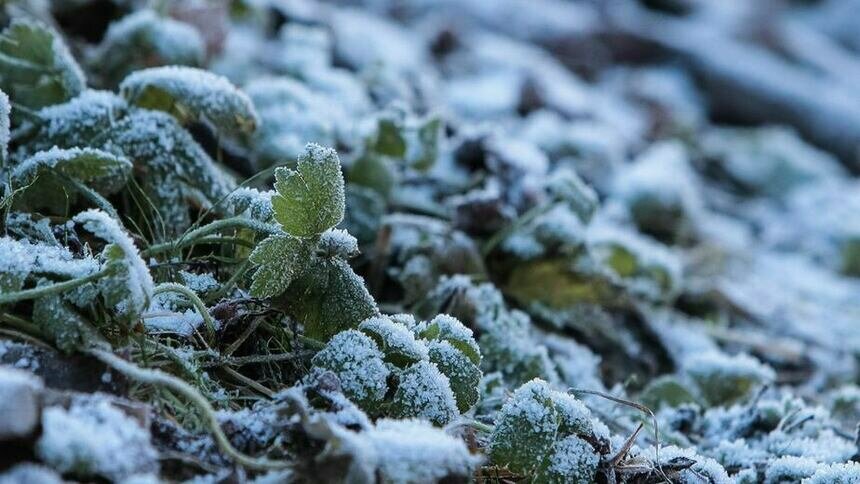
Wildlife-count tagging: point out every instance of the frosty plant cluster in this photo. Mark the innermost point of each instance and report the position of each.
(318, 242)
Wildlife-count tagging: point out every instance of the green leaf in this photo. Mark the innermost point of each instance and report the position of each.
(279, 258)
(62, 324)
(464, 376)
(145, 39)
(178, 171)
(375, 172)
(106, 172)
(192, 94)
(525, 428)
(389, 140)
(310, 199)
(36, 68)
(425, 150)
(424, 392)
(396, 341)
(330, 298)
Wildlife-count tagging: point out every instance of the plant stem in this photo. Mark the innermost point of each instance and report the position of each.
(194, 299)
(216, 226)
(214, 239)
(158, 377)
(36, 292)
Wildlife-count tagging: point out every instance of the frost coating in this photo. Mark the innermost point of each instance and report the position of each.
(463, 375)
(571, 460)
(525, 429)
(357, 362)
(395, 340)
(724, 379)
(188, 92)
(424, 392)
(143, 39)
(93, 438)
(106, 171)
(338, 243)
(449, 328)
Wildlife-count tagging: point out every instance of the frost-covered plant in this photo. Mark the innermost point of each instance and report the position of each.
(431, 377)
(724, 379)
(145, 39)
(309, 257)
(542, 432)
(37, 68)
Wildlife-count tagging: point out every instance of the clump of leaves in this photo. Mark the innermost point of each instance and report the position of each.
(309, 259)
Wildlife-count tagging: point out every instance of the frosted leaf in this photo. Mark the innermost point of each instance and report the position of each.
(78, 121)
(525, 428)
(463, 375)
(661, 192)
(22, 258)
(199, 282)
(666, 391)
(411, 451)
(177, 168)
(68, 330)
(357, 362)
(291, 115)
(252, 203)
(573, 416)
(768, 160)
(508, 347)
(279, 259)
(789, 469)
(333, 298)
(95, 439)
(106, 172)
(645, 267)
(424, 392)
(129, 289)
(724, 379)
(36, 67)
(190, 94)
(448, 328)
(310, 199)
(571, 460)
(847, 473)
(395, 340)
(337, 243)
(144, 39)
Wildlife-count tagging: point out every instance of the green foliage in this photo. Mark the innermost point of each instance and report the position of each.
(525, 428)
(279, 259)
(36, 68)
(464, 376)
(329, 298)
(547, 434)
(192, 94)
(395, 340)
(357, 362)
(311, 198)
(62, 324)
(424, 392)
(145, 39)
